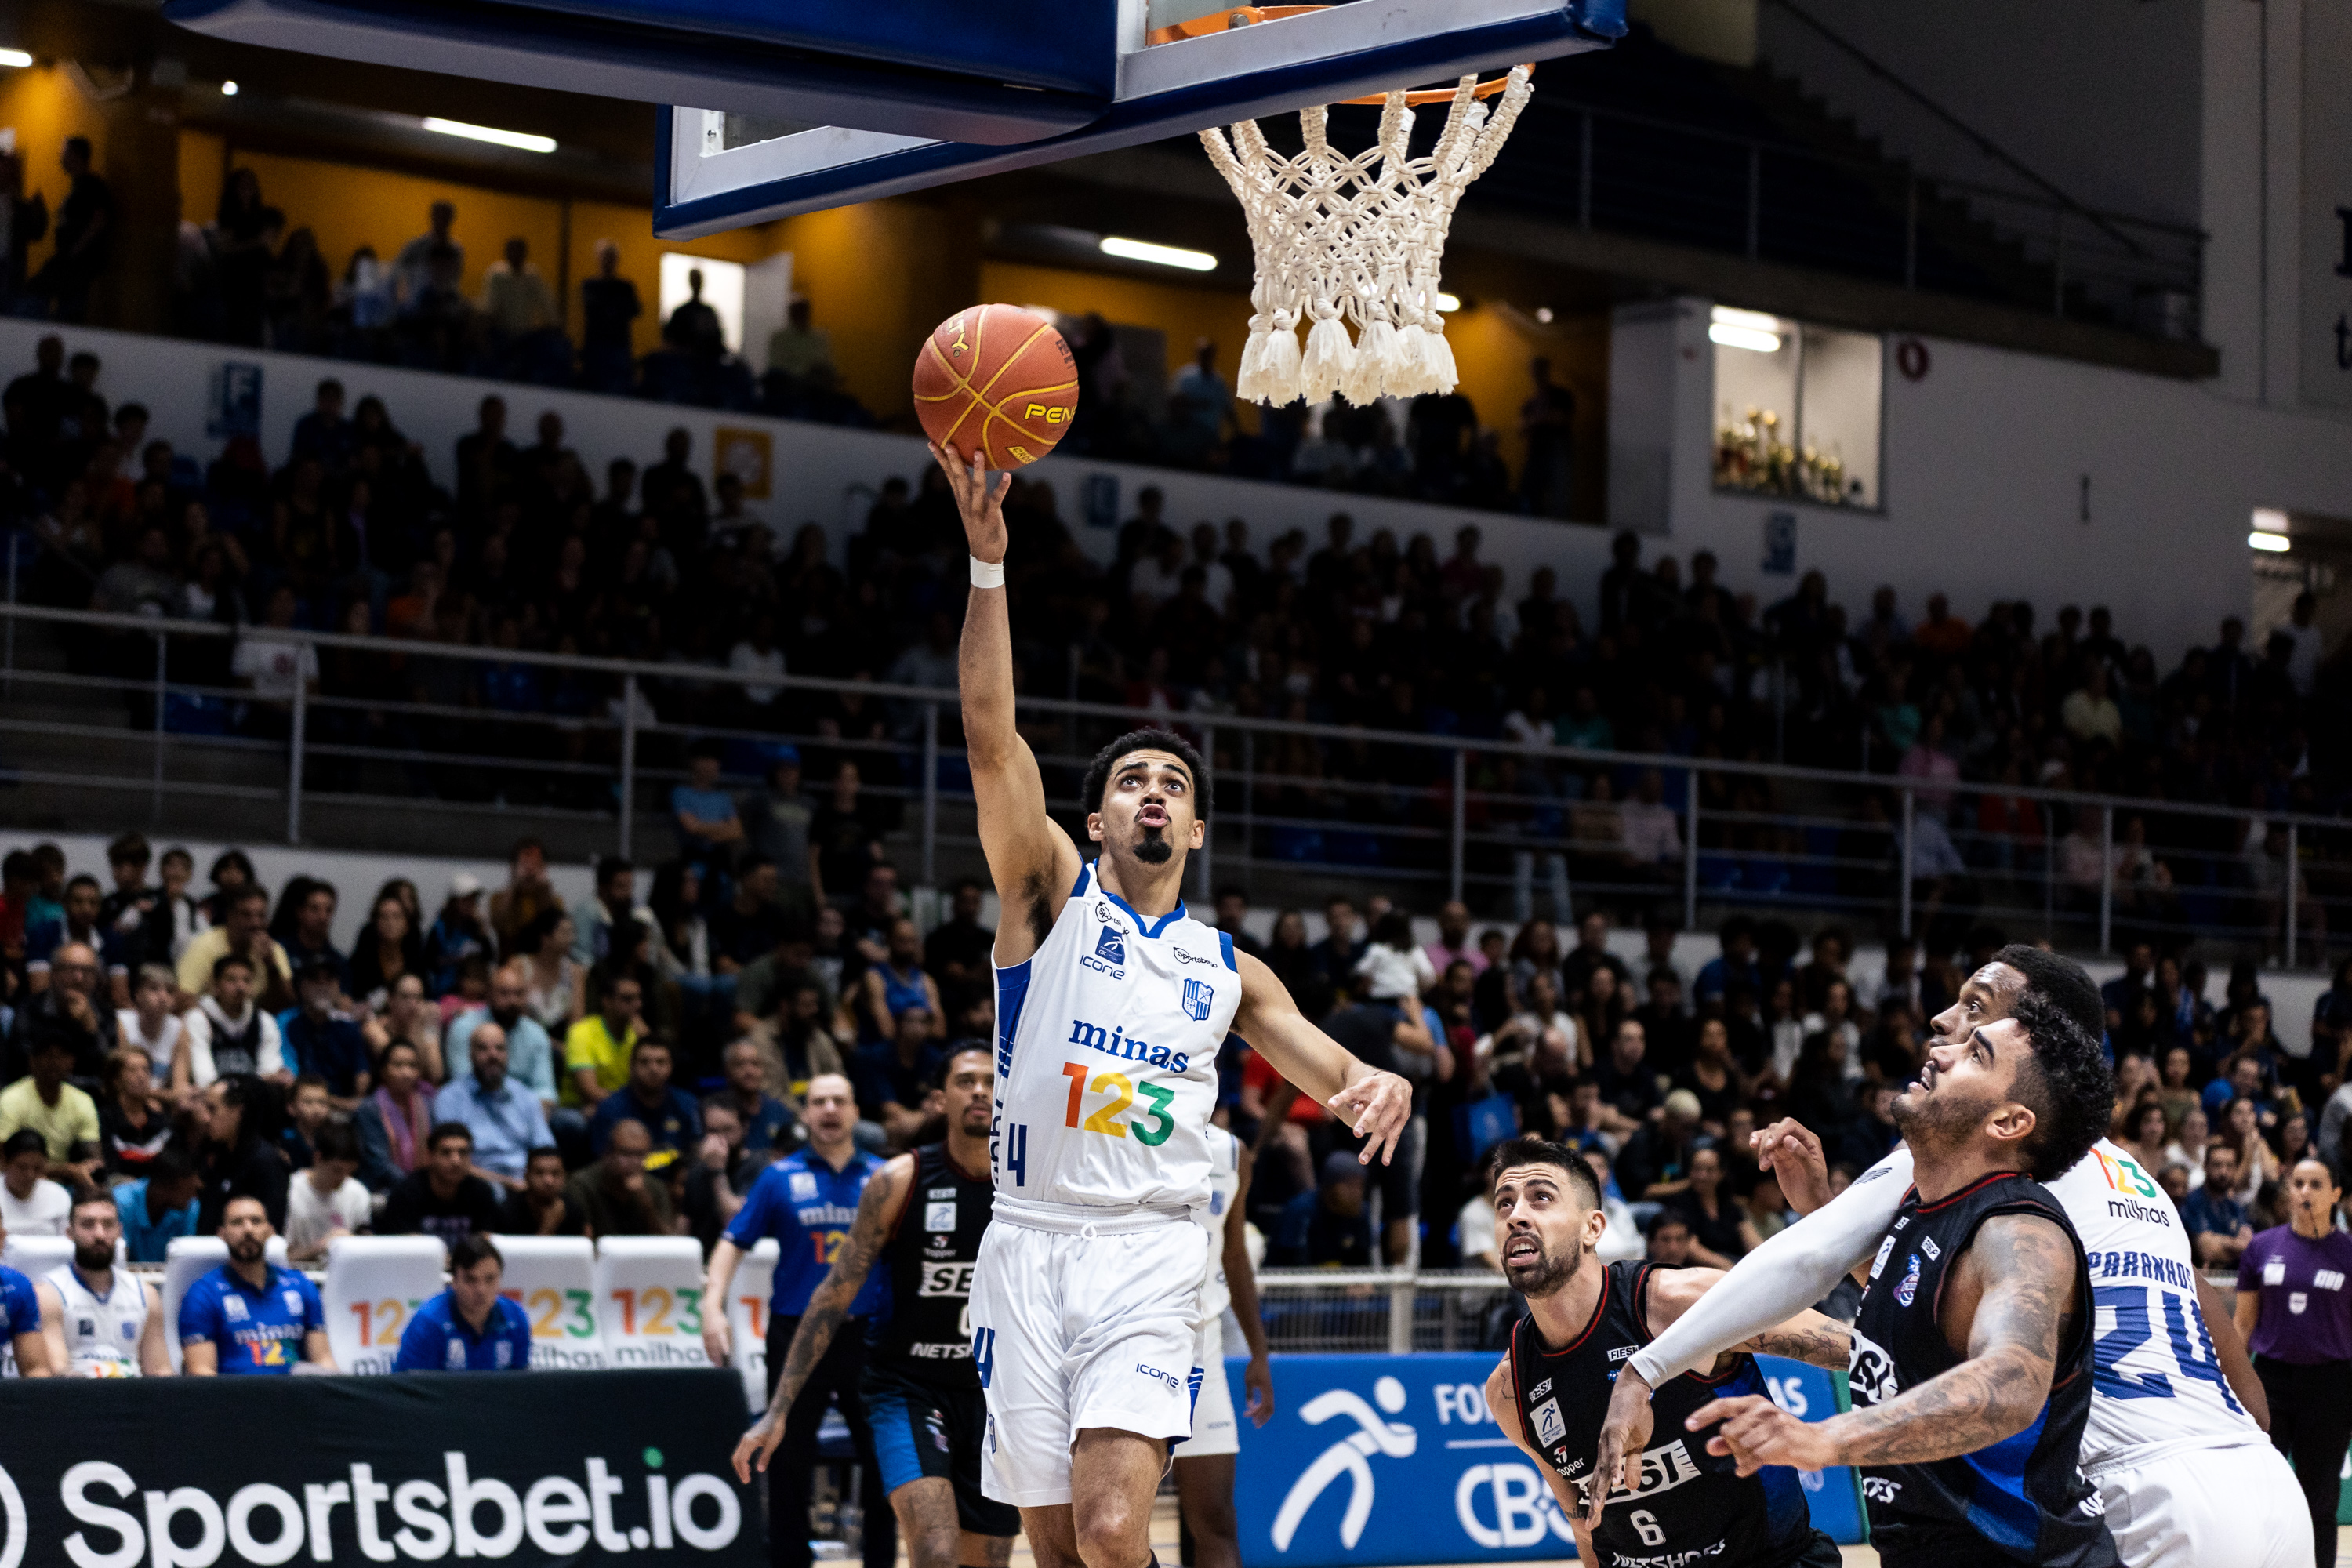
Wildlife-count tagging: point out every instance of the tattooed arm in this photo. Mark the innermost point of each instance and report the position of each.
(2006, 1301)
(879, 1208)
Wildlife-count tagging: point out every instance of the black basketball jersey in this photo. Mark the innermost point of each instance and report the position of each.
(1714, 1516)
(2026, 1497)
(926, 1334)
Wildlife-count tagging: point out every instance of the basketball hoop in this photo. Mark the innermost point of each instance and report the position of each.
(1340, 240)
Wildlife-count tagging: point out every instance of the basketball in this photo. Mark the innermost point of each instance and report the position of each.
(996, 382)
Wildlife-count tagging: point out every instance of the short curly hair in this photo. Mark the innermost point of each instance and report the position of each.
(2066, 1083)
(1097, 778)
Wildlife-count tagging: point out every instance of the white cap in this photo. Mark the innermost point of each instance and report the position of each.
(465, 885)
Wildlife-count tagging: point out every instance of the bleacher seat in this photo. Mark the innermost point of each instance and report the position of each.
(553, 1279)
(649, 1300)
(747, 1319)
(189, 1258)
(374, 1285)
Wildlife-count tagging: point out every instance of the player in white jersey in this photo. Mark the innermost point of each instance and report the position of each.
(1204, 1461)
(2175, 1440)
(1111, 1003)
(99, 1321)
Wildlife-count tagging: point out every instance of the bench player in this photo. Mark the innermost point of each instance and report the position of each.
(2174, 1440)
(1584, 1317)
(1112, 1003)
(921, 1218)
(100, 1320)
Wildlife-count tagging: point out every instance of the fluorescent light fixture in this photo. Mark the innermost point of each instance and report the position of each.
(14, 58)
(1449, 303)
(1753, 320)
(228, 89)
(2269, 520)
(528, 143)
(1743, 338)
(1158, 255)
(2276, 543)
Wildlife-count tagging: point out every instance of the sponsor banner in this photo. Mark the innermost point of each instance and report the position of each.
(572, 1468)
(1374, 1459)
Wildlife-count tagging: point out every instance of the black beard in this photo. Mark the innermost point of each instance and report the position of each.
(243, 1251)
(1939, 1120)
(1549, 1275)
(1155, 849)
(90, 1259)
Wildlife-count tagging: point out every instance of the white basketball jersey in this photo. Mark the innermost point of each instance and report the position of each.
(1224, 1188)
(101, 1332)
(1107, 1059)
(2157, 1384)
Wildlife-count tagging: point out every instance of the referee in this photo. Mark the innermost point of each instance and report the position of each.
(2294, 1308)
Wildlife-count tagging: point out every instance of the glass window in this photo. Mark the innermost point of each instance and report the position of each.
(1797, 409)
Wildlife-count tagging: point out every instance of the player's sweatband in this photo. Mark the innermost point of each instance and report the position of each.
(987, 573)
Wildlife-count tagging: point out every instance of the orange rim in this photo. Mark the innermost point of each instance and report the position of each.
(1225, 21)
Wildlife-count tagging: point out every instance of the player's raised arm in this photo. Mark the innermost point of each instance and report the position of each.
(1033, 861)
(879, 1208)
(1374, 1105)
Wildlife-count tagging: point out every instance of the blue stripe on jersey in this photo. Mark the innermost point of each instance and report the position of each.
(1147, 928)
(1012, 990)
(1999, 1507)
(1086, 869)
(1226, 946)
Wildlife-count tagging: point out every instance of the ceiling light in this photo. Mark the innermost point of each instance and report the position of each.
(528, 143)
(1543, 314)
(1754, 321)
(228, 89)
(2276, 543)
(1158, 255)
(1743, 338)
(2269, 520)
(1449, 303)
(14, 58)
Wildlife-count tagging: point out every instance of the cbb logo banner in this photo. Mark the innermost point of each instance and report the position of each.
(1375, 1460)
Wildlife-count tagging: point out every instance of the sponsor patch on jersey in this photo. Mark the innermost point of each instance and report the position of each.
(803, 1187)
(456, 1358)
(2297, 1303)
(2275, 1271)
(293, 1299)
(1878, 1488)
(1927, 1245)
(1909, 1287)
(1110, 946)
(1197, 997)
(1623, 1353)
(1870, 1371)
(939, 1215)
(1551, 1427)
(2328, 1280)
(1541, 1389)
(946, 1280)
(1662, 1470)
(233, 1309)
(1886, 1250)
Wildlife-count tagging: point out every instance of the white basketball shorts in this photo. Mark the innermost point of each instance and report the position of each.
(1076, 1330)
(1214, 1432)
(2213, 1508)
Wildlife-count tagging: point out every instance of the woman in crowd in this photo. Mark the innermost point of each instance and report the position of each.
(556, 980)
(135, 1120)
(232, 873)
(1603, 1007)
(393, 1120)
(410, 1016)
(149, 1024)
(2188, 1145)
(2241, 1129)
(388, 949)
(1721, 1233)
(2143, 1138)
(1715, 1077)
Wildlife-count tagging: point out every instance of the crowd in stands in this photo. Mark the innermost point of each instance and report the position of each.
(494, 1061)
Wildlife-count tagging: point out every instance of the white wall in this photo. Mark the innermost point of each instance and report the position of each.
(1983, 462)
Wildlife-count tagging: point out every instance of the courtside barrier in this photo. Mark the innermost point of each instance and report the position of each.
(374, 1286)
(576, 1468)
(553, 1279)
(1374, 1460)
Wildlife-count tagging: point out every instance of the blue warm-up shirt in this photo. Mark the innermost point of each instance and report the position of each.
(20, 1313)
(808, 1207)
(253, 1331)
(438, 1339)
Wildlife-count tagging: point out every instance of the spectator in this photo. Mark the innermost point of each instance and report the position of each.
(776, 819)
(149, 1024)
(959, 954)
(1326, 1226)
(469, 1327)
(413, 269)
(614, 904)
(504, 1117)
(1656, 1161)
(527, 892)
(615, 1196)
(239, 1154)
(799, 352)
(708, 827)
(598, 1050)
(62, 1116)
(898, 1074)
(2219, 1231)
(2296, 1316)
(227, 1033)
(30, 1204)
(556, 983)
(1721, 1234)
(250, 1317)
(770, 1127)
(85, 236)
(694, 329)
(669, 1118)
(1670, 1244)
(390, 947)
(442, 1196)
(243, 932)
(134, 1123)
(68, 1014)
(458, 933)
(608, 305)
(1628, 1085)
(898, 985)
(394, 1121)
(327, 1200)
(158, 1208)
(542, 1206)
(326, 1041)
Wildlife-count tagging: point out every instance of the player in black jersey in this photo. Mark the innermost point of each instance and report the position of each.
(1971, 1368)
(1551, 1390)
(922, 1217)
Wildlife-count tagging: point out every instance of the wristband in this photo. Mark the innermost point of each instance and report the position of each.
(987, 573)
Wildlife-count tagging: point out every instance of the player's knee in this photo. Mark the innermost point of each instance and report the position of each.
(1111, 1532)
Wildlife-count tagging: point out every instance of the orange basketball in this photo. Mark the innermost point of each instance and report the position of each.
(996, 382)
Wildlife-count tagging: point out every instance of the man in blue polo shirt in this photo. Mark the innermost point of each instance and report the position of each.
(469, 1327)
(249, 1316)
(807, 1202)
(504, 1115)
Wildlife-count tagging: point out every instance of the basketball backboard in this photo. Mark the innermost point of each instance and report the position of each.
(716, 170)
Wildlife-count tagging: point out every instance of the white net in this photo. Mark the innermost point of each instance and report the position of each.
(1356, 241)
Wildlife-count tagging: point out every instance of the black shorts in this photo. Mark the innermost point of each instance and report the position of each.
(922, 1431)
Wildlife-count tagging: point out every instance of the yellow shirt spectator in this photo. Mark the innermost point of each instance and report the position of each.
(590, 1044)
(209, 948)
(72, 1120)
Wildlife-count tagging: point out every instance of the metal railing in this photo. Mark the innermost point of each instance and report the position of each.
(508, 736)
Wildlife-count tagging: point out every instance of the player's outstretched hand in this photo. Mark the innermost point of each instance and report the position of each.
(1790, 1150)
(1259, 1379)
(1376, 1108)
(980, 501)
(1624, 1434)
(751, 1453)
(1757, 1432)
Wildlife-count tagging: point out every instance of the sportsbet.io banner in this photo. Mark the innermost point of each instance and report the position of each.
(1374, 1460)
(523, 1468)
